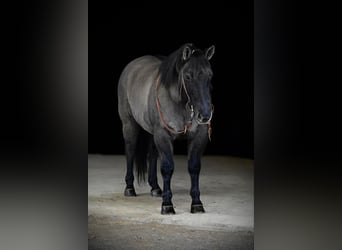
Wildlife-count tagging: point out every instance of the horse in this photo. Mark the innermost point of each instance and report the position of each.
(161, 99)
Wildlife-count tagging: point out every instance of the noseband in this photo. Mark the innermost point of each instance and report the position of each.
(187, 106)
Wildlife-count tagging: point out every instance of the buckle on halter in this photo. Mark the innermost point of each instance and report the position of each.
(191, 108)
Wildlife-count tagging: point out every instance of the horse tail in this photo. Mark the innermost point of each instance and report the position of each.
(141, 154)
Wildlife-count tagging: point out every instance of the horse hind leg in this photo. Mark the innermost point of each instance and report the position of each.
(152, 171)
(130, 134)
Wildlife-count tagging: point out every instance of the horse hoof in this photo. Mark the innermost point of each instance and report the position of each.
(130, 192)
(156, 192)
(167, 209)
(198, 208)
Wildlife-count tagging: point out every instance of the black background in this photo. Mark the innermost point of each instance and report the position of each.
(120, 34)
(44, 123)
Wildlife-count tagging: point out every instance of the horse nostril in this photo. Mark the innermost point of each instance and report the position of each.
(202, 118)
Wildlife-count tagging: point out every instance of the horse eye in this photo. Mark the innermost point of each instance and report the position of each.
(187, 76)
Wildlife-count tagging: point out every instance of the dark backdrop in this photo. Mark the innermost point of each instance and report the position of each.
(117, 35)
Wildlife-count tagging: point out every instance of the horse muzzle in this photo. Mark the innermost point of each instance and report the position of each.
(204, 119)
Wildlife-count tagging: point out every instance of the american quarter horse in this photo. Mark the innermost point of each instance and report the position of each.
(160, 100)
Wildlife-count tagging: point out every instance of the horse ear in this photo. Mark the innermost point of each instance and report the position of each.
(210, 52)
(186, 52)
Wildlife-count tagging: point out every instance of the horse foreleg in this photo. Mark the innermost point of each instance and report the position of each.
(195, 150)
(194, 168)
(165, 148)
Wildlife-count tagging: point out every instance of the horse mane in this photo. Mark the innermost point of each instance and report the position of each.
(170, 66)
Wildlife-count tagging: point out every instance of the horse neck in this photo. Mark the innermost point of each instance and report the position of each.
(171, 97)
(175, 95)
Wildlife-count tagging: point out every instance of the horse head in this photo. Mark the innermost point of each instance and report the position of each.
(195, 76)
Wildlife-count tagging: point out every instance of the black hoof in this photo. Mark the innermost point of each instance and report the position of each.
(167, 209)
(130, 192)
(156, 192)
(198, 208)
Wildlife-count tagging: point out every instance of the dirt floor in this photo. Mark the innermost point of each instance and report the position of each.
(119, 222)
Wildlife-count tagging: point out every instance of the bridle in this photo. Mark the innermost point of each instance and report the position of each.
(187, 106)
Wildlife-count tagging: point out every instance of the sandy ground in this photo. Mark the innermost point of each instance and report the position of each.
(119, 222)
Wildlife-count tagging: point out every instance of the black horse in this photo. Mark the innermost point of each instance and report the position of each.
(159, 101)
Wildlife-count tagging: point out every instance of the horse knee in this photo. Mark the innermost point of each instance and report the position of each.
(167, 166)
(167, 170)
(194, 166)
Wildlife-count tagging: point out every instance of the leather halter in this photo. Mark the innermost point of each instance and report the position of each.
(187, 124)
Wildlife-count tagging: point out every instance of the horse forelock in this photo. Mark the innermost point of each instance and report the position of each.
(172, 65)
